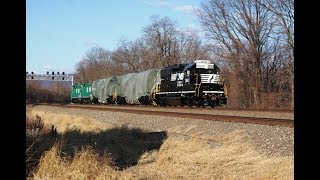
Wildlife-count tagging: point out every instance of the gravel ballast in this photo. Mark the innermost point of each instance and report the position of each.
(272, 140)
(208, 110)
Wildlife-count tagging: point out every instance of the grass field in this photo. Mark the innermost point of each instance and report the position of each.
(87, 149)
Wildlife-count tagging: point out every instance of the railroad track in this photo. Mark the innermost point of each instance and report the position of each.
(204, 108)
(193, 107)
(226, 118)
(258, 110)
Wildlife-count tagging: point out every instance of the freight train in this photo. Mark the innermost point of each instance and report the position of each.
(191, 84)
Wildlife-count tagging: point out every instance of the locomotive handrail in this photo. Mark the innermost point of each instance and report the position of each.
(154, 91)
(225, 90)
(197, 88)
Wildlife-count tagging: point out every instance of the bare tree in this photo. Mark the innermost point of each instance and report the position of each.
(241, 30)
(128, 55)
(190, 47)
(161, 38)
(284, 12)
(97, 63)
(169, 45)
(61, 92)
(32, 90)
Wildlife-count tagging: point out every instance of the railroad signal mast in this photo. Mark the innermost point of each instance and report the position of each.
(49, 76)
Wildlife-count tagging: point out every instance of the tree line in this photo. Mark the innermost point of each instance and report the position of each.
(56, 92)
(162, 44)
(251, 41)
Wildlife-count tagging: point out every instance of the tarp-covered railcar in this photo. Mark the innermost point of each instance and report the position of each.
(136, 85)
(103, 89)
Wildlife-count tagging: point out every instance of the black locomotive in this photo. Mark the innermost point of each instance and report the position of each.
(196, 83)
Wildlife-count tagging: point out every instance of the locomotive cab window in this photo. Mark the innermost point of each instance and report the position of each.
(211, 71)
(215, 70)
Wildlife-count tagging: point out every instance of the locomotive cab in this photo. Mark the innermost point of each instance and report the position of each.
(211, 87)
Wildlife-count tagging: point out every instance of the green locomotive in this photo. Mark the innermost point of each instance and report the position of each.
(82, 93)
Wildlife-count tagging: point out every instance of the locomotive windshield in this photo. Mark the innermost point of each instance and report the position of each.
(214, 70)
(211, 71)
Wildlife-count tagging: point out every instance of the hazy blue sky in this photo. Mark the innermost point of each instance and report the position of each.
(59, 32)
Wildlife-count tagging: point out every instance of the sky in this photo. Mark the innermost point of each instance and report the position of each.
(60, 32)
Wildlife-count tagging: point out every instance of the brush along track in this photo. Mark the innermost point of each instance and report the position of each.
(234, 119)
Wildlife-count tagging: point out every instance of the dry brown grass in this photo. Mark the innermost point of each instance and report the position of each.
(38, 139)
(231, 157)
(65, 122)
(85, 165)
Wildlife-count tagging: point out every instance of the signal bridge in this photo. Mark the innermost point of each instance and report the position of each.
(51, 77)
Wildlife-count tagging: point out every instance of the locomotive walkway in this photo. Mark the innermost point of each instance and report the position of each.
(199, 115)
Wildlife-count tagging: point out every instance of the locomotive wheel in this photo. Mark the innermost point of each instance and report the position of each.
(162, 102)
(201, 103)
(188, 102)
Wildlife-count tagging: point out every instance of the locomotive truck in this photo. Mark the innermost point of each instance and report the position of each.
(192, 84)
